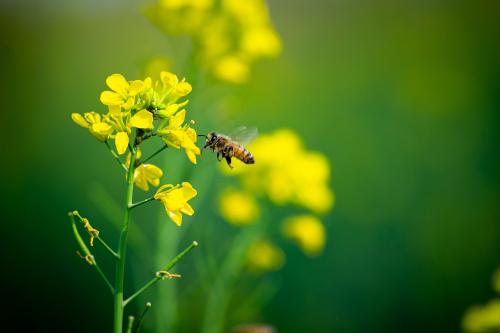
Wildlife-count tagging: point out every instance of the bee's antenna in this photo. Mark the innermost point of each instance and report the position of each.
(202, 135)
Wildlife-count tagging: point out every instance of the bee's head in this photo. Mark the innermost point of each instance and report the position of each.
(210, 139)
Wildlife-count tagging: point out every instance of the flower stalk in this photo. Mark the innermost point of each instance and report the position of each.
(122, 248)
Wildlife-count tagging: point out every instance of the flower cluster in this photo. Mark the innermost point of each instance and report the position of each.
(228, 35)
(284, 173)
(151, 108)
(484, 318)
(265, 256)
(145, 109)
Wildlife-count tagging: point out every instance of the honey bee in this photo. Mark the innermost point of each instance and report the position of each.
(232, 146)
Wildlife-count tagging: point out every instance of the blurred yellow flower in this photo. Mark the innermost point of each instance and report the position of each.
(175, 199)
(287, 173)
(264, 256)
(123, 92)
(485, 318)
(231, 69)
(261, 42)
(307, 231)
(238, 208)
(93, 121)
(230, 34)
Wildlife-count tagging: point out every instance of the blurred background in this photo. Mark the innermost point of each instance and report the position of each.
(401, 96)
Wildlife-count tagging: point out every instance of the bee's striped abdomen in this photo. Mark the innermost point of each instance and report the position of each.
(243, 154)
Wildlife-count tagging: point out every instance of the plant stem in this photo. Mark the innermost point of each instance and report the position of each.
(141, 317)
(122, 247)
(137, 204)
(130, 324)
(155, 153)
(110, 250)
(115, 155)
(88, 256)
(157, 278)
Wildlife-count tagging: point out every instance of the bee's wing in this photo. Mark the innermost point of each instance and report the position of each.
(244, 135)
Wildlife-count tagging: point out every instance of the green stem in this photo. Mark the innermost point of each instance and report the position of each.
(110, 250)
(87, 254)
(141, 317)
(137, 204)
(130, 324)
(115, 155)
(157, 278)
(122, 247)
(155, 153)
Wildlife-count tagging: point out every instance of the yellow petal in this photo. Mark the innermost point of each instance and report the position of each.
(121, 142)
(136, 87)
(110, 98)
(169, 80)
(175, 216)
(117, 83)
(177, 119)
(187, 209)
(183, 88)
(114, 109)
(139, 180)
(188, 191)
(191, 155)
(79, 120)
(142, 119)
(152, 171)
(129, 104)
(101, 131)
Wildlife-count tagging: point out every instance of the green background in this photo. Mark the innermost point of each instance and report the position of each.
(402, 96)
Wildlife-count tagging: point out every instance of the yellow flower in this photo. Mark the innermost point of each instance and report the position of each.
(97, 127)
(261, 41)
(145, 174)
(232, 69)
(123, 124)
(307, 231)
(175, 135)
(287, 172)
(238, 208)
(230, 34)
(264, 256)
(123, 93)
(485, 318)
(175, 199)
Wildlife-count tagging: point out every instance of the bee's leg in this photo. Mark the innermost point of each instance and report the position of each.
(228, 151)
(228, 160)
(219, 157)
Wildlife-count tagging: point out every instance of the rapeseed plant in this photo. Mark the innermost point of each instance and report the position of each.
(140, 110)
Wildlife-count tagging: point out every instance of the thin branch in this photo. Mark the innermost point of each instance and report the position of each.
(115, 155)
(137, 204)
(155, 153)
(87, 254)
(94, 233)
(158, 277)
(141, 317)
(107, 247)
